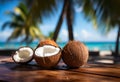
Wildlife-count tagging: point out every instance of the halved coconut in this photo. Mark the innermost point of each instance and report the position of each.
(23, 55)
(47, 56)
(75, 54)
(48, 42)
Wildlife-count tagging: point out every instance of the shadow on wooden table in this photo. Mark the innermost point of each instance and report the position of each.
(3, 81)
(7, 52)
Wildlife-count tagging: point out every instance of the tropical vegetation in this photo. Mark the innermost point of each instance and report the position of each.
(23, 25)
(108, 15)
(103, 13)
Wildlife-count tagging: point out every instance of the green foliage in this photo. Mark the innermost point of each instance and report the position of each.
(89, 12)
(40, 8)
(107, 13)
(50, 35)
(23, 25)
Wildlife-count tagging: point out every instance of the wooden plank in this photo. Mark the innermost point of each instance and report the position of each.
(11, 72)
(108, 70)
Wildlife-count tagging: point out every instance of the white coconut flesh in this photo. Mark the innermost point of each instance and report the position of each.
(46, 51)
(23, 54)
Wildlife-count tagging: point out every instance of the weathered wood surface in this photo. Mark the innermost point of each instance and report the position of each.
(11, 72)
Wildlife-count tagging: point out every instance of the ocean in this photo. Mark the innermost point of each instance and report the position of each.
(92, 46)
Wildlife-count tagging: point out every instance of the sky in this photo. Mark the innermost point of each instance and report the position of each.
(83, 30)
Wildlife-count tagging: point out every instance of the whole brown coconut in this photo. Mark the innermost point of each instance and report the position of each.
(47, 54)
(75, 54)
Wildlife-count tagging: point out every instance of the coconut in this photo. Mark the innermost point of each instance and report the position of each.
(23, 55)
(47, 55)
(47, 42)
(75, 54)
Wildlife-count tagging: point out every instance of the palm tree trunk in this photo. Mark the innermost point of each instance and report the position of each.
(117, 42)
(60, 21)
(69, 20)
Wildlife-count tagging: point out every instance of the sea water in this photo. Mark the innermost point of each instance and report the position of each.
(92, 46)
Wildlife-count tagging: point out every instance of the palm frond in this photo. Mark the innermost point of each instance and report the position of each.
(27, 35)
(36, 33)
(22, 11)
(5, 25)
(105, 14)
(32, 33)
(23, 8)
(10, 13)
(18, 18)
(40, 8)
(89, 12)
(19, 11)
(15, 34)
(10, 25)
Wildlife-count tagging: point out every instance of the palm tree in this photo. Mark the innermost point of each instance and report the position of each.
(23, 25)
(60, 21)
(40, 8)
(108, 14)
(69, 12)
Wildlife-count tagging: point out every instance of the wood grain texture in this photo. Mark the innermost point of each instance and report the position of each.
(12, 72)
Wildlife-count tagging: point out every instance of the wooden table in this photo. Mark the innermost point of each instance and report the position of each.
(11, 72)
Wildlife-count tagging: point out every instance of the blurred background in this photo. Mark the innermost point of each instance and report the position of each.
(96, 23)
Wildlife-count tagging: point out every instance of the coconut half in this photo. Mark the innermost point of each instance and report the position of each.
(47, 56)
(48, 42)
(23, 55)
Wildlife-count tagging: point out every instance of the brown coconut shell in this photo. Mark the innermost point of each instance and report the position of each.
(48, 42)
(75, 54)
(22, 62)
(51, 61)
(48, 62)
